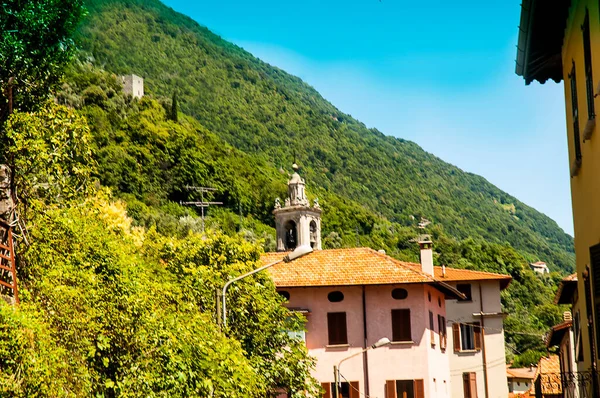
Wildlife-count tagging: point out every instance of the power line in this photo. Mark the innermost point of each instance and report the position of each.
(201, 204)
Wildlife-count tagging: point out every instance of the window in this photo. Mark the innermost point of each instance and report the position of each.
(466, 336)
(313, 234)
(441, 324)
(465, 288)
(291, 235)
(577, 337)
(432, 328)
(575, 114)
(335, 297)
(587, 58)
(470, 384)
(404, 389)
(588, 303)
(285, 294)
(399, 294)
(595, 265)
(401, 325)
(347, 390)
(442, 331)
(336, 327)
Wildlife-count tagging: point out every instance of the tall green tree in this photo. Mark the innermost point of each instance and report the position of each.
(174, 108)
(35, 46)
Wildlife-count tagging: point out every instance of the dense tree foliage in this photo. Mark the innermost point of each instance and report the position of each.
(271, 115)
(35, 45)
(112, 309)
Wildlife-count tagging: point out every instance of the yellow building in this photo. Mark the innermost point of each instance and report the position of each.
(560, 40)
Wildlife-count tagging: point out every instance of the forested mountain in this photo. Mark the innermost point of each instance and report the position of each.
(273, 117)
(117, 285)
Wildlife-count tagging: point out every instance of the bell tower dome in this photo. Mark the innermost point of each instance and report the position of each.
(297, 223)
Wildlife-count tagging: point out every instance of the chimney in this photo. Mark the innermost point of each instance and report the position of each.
(567, 316)
(426, 245)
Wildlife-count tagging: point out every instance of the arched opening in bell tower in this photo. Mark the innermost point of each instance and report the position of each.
(291, 235)
(313, 234)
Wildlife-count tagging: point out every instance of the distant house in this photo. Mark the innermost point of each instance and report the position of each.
(520, 382)
(354, 297)
(547, 380)
(540, 267)
(133, 85)
(476, 359)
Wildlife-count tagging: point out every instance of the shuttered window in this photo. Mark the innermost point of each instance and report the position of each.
(431, 324)
(336, 327)
(442, 331)
(466, 336)
(327, 388)
(441, 325)
(587, 59)
(587, 287)
(470, 384)
(575, 113)
(401, 330)
(346, 390)
(431, 329)
(404, 389)
(595, 265)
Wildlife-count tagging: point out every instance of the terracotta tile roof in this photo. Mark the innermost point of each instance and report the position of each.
(557, 332)
(339, 267)
(572, 277)
(539, 263)
(457, 275)
(566, 289)
(362, 266)
(521, 373)
(549, 372)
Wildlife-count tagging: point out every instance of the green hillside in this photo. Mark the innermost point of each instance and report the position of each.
(271, 115)
(146, 156)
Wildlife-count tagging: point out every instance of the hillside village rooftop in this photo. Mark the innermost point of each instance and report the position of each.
(365, 266)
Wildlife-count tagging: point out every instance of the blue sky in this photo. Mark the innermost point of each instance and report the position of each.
(438, 73)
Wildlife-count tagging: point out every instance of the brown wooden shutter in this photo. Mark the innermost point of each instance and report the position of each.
(401, 329)
(595, 266)
(336, 328)
(466, 385)
(456, 336)
(419, 389)
(390, 389)
(354, 391)
(477, 335)
(327, 388)
(473, 384)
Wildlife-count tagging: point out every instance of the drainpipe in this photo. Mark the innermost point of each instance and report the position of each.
(365, 355)
(482, 334)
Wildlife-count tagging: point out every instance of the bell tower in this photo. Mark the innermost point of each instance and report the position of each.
(296, 221)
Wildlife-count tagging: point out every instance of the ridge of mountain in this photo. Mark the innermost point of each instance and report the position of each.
(273, 116)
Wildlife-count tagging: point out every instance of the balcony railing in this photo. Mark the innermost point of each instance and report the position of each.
(574, 384)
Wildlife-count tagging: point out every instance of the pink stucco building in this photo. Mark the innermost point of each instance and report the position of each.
(434, 317)
(354, 297)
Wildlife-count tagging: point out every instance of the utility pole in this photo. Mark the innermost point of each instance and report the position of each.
(201, 204)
